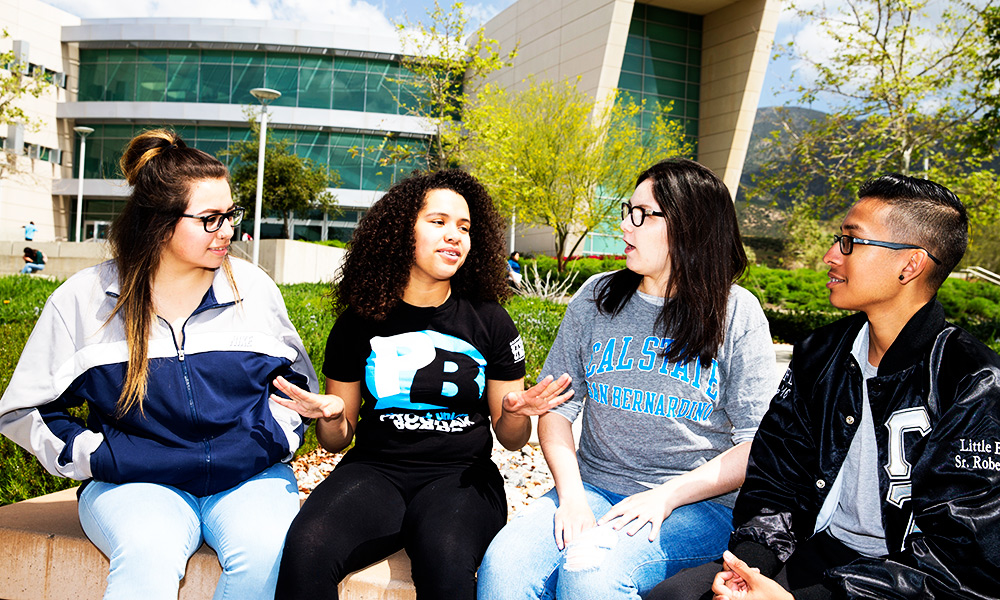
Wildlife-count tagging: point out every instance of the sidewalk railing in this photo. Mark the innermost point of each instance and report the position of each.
(981, 273)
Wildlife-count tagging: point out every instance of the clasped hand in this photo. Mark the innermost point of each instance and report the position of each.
(631, 514)
(737, 580)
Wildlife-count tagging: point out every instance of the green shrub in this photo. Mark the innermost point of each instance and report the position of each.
(788, 327)
(538, 322)
(795, 302)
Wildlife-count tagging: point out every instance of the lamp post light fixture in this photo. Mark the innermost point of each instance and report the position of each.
(265, 95)
(84, 132)
(513, 217)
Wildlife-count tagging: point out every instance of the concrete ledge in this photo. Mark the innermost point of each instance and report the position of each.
(46, 556)
(286, 261)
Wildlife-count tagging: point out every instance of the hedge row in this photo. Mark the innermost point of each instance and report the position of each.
(795, 302)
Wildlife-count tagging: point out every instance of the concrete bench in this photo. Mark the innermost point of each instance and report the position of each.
(44, 555)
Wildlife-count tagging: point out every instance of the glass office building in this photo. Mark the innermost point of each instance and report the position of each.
(343, 92)
(343, 107)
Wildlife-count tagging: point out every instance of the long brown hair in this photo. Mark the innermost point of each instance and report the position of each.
(706, 258)
(160, 167)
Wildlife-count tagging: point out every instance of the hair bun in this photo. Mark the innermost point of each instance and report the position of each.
(145, 147)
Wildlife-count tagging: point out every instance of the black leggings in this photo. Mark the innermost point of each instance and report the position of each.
(444, 517)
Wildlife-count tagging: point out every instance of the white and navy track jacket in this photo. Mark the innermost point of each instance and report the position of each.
(207, 422)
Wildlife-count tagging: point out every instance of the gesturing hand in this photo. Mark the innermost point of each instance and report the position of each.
(539, 398)
(306, 403)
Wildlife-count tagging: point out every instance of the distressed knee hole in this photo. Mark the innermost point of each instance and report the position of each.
(590, 549)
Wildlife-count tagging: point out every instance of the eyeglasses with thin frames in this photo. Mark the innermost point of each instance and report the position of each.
(632, 211)
(847, 242)
(214, 221)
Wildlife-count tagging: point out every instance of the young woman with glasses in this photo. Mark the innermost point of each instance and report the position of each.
(672, 367)
(172, 347)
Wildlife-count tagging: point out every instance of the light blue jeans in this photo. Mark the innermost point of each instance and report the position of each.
(149, 531)
(30, 268)
(523, 561)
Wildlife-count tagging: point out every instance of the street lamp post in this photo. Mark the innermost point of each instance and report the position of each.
(513, 224)
(84, 132)
(265, 95)
(513, 216)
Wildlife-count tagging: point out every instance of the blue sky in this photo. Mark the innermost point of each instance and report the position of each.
(374, 14)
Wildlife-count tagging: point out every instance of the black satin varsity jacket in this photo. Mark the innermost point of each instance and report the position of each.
(936, 405)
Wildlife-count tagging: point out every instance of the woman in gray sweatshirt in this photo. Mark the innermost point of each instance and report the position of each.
(672, 370)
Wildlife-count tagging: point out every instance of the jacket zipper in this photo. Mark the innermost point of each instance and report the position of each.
(206, 444)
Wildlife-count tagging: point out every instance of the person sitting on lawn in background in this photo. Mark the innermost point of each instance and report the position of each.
(514, 269)
(34, 260)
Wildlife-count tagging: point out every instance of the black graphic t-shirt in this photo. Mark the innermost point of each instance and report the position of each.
(423, 375)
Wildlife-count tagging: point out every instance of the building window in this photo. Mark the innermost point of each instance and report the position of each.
(662, 64)
(226, 77)
(355, 157)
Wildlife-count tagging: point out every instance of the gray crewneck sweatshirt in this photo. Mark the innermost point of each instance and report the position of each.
(646, 420)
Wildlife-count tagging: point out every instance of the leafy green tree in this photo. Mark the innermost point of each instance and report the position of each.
(904, 87)
(291, 183)
(808, 239)
(444, 69)
(986, 132)
(553, 157)
(16, 84)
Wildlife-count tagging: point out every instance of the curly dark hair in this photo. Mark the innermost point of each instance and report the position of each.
(377, 265)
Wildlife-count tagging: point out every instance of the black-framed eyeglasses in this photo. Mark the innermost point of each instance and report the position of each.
(638, 214)
(847, 245)
(213, 222)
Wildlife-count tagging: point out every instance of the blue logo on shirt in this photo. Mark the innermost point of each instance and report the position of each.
(613, 356)
(425, 370)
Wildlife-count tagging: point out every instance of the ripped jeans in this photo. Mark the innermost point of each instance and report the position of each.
(523, 561)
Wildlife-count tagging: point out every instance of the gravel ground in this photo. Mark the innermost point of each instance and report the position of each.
(525, 474)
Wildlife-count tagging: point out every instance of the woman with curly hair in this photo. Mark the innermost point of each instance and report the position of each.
(172, 347)
(420, 363)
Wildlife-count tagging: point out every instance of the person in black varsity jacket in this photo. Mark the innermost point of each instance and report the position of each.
(876, 471)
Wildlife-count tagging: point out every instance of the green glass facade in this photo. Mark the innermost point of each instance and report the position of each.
(226, 77)
(662, 64)
(305, 80)
(345, 153)
(98, 213)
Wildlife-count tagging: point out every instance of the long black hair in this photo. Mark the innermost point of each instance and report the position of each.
(706, 258)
